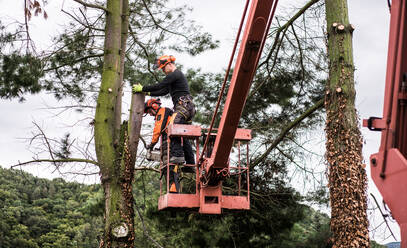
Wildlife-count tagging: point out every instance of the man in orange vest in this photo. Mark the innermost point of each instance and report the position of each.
(162, 118)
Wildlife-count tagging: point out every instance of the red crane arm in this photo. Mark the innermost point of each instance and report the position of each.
(389, 165)
(258, 23)
(212, 165)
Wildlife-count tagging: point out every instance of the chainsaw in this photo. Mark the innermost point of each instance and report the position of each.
(153, 155)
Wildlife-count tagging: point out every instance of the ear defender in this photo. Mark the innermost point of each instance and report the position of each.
(154, 106)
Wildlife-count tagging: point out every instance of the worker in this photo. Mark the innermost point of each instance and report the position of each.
(162, 118)
(176, 85)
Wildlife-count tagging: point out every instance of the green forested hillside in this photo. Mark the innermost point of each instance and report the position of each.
(53, 213)
(42, 213)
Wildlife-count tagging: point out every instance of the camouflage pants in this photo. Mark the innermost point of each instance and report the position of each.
(184, 111)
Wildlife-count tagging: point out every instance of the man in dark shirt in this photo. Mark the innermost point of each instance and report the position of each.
(176, 85)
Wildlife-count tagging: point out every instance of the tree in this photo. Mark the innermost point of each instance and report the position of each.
(115, 143)
(347, 175)
(70, 70)
(116, 148)
(287, 85)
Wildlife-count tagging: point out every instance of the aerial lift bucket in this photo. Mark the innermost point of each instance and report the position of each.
(207, 199)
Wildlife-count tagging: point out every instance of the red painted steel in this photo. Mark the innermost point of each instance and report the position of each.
(394, 186)
(246, 63)
(188, 131)
(389, 165)
(178, 201)
(210, 200)
(238, 168)
(377, 124)
(193, 201)
(243, 134)
(235, 202)
(240, 135)
(222, 90)
(209, 197)
(247, 172)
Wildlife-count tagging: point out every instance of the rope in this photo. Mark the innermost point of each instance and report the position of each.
(224, 82)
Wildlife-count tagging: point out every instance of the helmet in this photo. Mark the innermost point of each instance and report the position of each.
(163, 61)
(152, 103)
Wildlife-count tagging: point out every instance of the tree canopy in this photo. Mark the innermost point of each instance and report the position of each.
(283, 107)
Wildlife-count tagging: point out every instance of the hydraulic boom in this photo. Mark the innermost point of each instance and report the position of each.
(253, 40)
(389, 165)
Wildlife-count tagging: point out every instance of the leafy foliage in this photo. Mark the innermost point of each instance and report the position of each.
(42, 213)
(289, 80)
(19, 75)
(53, 213)
(276, 219)
(74, 65)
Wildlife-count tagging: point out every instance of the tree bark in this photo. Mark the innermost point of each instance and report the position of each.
(120, 84)
(347, 176)
(115, 151)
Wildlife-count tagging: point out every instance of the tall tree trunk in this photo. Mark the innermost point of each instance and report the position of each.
(347, 176)
(120, 84)
(115, 150)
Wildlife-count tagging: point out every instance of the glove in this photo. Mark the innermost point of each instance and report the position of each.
(150, 146)
(137, 88)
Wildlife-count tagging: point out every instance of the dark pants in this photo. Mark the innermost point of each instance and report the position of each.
(173, 170)
(184, 111)
(189, 154)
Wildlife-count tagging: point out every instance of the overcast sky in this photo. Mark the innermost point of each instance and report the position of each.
(221, 18)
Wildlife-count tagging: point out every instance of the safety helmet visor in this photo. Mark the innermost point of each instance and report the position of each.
(160, 64)
(162, 61)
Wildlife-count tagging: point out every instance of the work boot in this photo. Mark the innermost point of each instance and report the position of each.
(173, 188)
(177, 160)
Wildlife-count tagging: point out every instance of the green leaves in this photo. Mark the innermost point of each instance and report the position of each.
(19, 75)
(41, 213)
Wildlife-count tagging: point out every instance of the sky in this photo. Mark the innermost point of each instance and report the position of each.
(220, 18)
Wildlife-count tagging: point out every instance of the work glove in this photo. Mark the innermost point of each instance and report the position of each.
(150, 146)
(137, 88)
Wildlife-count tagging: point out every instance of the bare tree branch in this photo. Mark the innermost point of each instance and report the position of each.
(296, 164)
(383, 215)
(95, 6)
(285, 131)
(285, 26)
(277, 43)
(158, 25)
(144, 50)
(301, 55)
(145, 231)
(86, 25)
(27, 17)
(147, 169)
(47, 143)
(66, 160)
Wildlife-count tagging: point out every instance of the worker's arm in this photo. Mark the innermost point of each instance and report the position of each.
(167, 81)
(161, 92)
(138, 88)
